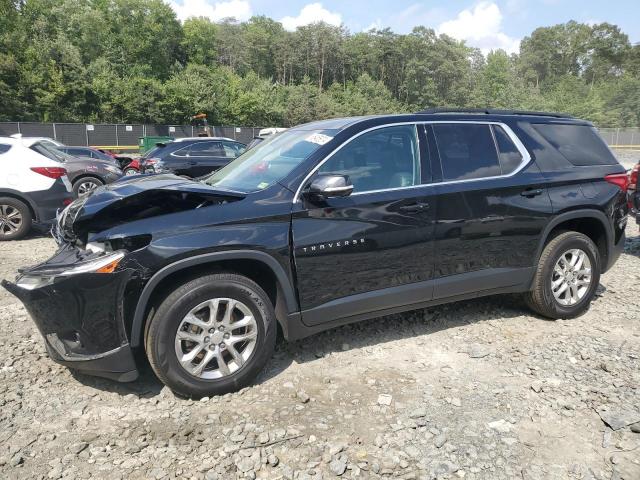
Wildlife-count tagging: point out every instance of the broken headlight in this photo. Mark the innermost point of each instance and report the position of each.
(40, 278)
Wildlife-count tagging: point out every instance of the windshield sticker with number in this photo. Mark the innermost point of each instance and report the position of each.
(318, 138)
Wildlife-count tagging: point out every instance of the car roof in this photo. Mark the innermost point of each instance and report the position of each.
(28, 141)
(486, 115)
(191, 139)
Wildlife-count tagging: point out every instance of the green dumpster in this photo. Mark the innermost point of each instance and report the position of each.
(147, 143)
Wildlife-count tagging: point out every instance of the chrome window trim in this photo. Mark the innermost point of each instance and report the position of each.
(526, 157)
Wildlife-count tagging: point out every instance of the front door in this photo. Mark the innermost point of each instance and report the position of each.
(374, 248)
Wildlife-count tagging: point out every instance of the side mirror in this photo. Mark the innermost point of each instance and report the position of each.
(327, 186)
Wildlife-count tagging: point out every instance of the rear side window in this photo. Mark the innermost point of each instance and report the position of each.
(510, 156)
(207, 149)
(467, 151)
(4, 148)
(580, 144)
(76, 151)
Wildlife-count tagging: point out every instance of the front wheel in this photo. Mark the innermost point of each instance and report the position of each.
(566, 278)
(212, 335)
(131, 171)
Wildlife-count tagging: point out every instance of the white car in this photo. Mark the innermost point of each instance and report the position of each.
(32, 189)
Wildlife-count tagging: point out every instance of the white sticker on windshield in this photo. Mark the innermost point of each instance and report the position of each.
(318, 138)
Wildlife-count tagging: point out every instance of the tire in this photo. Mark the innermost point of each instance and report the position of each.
(163, 344)
(85, 185)
(131, 171)
(15, 219)
(541, 298)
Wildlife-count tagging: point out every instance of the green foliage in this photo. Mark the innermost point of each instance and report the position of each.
(133, 61)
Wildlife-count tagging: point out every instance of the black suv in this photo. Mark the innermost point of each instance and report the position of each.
(191, 157)
(327, 223)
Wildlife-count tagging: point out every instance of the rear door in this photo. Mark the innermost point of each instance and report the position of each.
(493, 205)
(374, 248)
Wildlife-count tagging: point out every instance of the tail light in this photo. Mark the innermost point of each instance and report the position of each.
(51, 172)
(151, 161)
(633, 177)
(67, 201)
(619, 179)
(633, 184)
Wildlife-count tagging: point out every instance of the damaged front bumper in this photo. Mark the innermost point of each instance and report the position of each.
(75, 300)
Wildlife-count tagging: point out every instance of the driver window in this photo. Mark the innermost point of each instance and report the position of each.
(378, 160)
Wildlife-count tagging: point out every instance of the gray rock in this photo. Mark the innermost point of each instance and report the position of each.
(635, 428)
(303, 396)
(78, 447)
(273, 460)
(617, 419)
(16, 460)
(440, 440)
(478, 351)
(211, 475)
(338, 466)
(385, 399)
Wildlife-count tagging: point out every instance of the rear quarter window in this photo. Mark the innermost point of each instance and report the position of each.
(579, 144)
(4, 148)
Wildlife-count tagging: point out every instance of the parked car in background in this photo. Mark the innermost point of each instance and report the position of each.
(86, 174)
(133, 167)
(32, 189)
(89, 152)
(326, 224)
(192, 157)
(129, 165)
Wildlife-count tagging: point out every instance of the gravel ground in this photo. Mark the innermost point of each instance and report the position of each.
(479, 389)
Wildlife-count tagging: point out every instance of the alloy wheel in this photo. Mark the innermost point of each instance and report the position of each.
(10, 219)
(86, 187)
(571, 277)
(216, 338)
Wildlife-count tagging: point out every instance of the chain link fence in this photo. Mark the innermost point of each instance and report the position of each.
(621, 137)
(126, 137)
(117, 136)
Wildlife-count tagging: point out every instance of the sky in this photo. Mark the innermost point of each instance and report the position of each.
(486, 24)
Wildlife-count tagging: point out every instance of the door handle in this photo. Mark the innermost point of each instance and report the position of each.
(532, 192)
(414, 208)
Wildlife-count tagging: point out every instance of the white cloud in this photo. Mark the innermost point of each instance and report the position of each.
(238, 9)
(375, 25)
(481, 26)
(311, 13)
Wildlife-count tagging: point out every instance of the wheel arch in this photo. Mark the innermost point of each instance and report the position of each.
(87, 175)
(258, 266)
(592, 223)
(7, 192)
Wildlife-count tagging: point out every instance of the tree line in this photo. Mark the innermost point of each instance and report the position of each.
(132, 61)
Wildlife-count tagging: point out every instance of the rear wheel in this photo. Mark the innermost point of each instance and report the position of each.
(15, 219)
(567, 276)
(86, 185)
(130, 171)
(212, 335)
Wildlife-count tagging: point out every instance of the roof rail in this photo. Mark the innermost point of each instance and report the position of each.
(491, 111)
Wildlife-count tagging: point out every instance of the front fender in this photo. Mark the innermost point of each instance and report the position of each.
(143, 301)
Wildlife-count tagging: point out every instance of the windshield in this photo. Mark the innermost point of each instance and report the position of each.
(270, 160)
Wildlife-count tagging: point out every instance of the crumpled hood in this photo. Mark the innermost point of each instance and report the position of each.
(135, 198)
